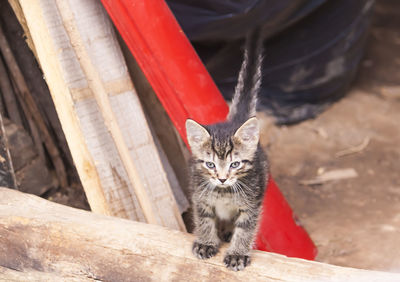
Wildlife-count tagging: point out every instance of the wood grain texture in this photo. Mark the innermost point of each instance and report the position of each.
(48, 54)
(102, 118)
(100, 94)
(43, 240)
(173, 151)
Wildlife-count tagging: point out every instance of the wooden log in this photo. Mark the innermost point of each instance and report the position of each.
(42, 240)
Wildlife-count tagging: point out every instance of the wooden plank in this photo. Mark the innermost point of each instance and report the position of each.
(80, 40)
(39, 238)
(172, 149)
(97, 87)
(47, 54)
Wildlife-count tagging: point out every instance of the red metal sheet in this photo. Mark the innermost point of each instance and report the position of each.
(186, 90)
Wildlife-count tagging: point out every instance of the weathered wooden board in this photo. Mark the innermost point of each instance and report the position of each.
(41, 240)
(59, 29)
(7, 176)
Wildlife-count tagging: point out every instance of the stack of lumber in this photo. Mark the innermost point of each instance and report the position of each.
(121, 168)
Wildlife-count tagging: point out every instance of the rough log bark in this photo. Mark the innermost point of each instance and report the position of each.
(41, 240)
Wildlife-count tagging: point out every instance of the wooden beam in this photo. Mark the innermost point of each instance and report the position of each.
(41, 239)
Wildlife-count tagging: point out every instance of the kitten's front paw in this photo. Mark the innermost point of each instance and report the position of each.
(203, 251)
(236, 262)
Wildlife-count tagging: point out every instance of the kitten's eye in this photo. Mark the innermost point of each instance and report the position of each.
(235, 164)
(210, 164)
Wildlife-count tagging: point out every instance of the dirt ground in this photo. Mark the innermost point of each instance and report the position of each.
(354, 222)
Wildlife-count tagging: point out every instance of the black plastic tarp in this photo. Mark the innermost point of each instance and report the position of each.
(312, 48)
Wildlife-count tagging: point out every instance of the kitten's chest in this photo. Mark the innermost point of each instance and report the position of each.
(225, 209)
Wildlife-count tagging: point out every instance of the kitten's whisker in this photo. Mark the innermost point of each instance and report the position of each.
(244, 184)
(206, 185)
(234, 192)
(209, 188)
(238, 194)
(248, 189)
(243, 194)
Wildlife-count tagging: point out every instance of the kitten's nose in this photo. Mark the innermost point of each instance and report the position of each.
(222, 180)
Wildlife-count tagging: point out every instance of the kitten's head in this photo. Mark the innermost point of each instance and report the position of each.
(223, 153)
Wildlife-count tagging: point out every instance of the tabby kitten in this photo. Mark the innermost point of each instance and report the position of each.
(228, 170)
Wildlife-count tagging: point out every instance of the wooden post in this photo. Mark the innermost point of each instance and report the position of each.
(41, 240)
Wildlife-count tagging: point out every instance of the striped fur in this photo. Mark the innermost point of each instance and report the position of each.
(244, 99)
(229, 170)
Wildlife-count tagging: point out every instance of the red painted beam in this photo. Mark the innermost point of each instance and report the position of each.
(186, 90)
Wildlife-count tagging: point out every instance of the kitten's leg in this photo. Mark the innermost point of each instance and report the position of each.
(207, 241)
(237, 256)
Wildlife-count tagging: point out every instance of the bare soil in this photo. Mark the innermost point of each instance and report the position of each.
(354, 222)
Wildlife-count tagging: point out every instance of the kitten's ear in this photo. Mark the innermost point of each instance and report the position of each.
(249, 132)
(196, 134)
